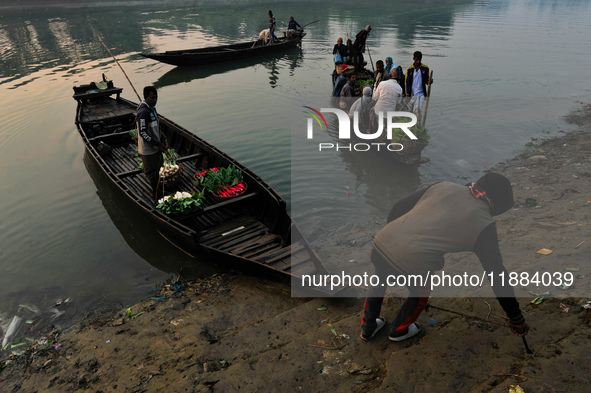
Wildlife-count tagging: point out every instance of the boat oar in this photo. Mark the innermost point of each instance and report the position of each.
(310, 23)
(99, 37)
(428, 97)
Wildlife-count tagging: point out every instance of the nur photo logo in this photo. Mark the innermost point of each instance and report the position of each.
(376, 140)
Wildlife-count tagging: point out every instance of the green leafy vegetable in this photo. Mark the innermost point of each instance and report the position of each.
(214, 179)
(171, 158)
(181, 202)
(419, 130)
(136, 157)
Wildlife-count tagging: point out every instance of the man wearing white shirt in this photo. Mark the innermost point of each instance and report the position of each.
(387, 94)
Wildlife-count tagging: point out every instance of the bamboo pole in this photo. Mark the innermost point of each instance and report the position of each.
(136, 93)
(370, 59)
(428, 97)
(307, 24)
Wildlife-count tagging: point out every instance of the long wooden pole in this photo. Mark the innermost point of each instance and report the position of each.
(99, 37)
(310, 23)
(428, 97)
(370, 59)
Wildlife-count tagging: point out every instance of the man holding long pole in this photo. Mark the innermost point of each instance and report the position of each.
(359, 48)
(417, 79)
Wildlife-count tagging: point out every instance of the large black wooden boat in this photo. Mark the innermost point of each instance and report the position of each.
(232, 52)
(251, 231)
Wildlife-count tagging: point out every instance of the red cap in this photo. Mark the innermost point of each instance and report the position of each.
(344, 67)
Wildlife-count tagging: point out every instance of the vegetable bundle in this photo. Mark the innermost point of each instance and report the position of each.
(133, 134)
(170, 171)
(419, 130)
(231, 191)
(180, 202)
(227, 181)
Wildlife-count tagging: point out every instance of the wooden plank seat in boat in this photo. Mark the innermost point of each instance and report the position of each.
(178, 160)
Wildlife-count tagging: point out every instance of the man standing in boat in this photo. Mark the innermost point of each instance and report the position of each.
(151, 141)
(272, 24)
(387, 95)
(417, 78)
(359, 48)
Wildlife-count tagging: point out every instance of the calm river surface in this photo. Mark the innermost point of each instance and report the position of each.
(504, 71)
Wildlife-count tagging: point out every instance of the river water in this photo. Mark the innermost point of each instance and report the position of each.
(505, 71)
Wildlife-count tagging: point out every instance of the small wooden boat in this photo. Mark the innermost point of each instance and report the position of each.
(251, 231)
(411, 153)
(232, 52)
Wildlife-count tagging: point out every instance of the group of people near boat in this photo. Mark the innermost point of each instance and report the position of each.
(386, 84)
(352, 52)
(384, 88)
(293, 27)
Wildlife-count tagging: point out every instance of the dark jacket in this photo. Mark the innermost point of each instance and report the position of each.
(338, 86)
(360, 39)
(342, 49)
(410, 72)
(293, 25)
(379, 77)
(419, 207)
(150, 138)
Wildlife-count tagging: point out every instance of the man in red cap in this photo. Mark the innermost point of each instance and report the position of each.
(440, 219)
(340, 82)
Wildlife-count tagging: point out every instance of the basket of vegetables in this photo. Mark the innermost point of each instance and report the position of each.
(170, 172)
(411, 146)
(222, 183)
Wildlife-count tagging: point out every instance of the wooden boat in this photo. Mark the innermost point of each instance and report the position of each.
(252, 231)
(232, 52)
